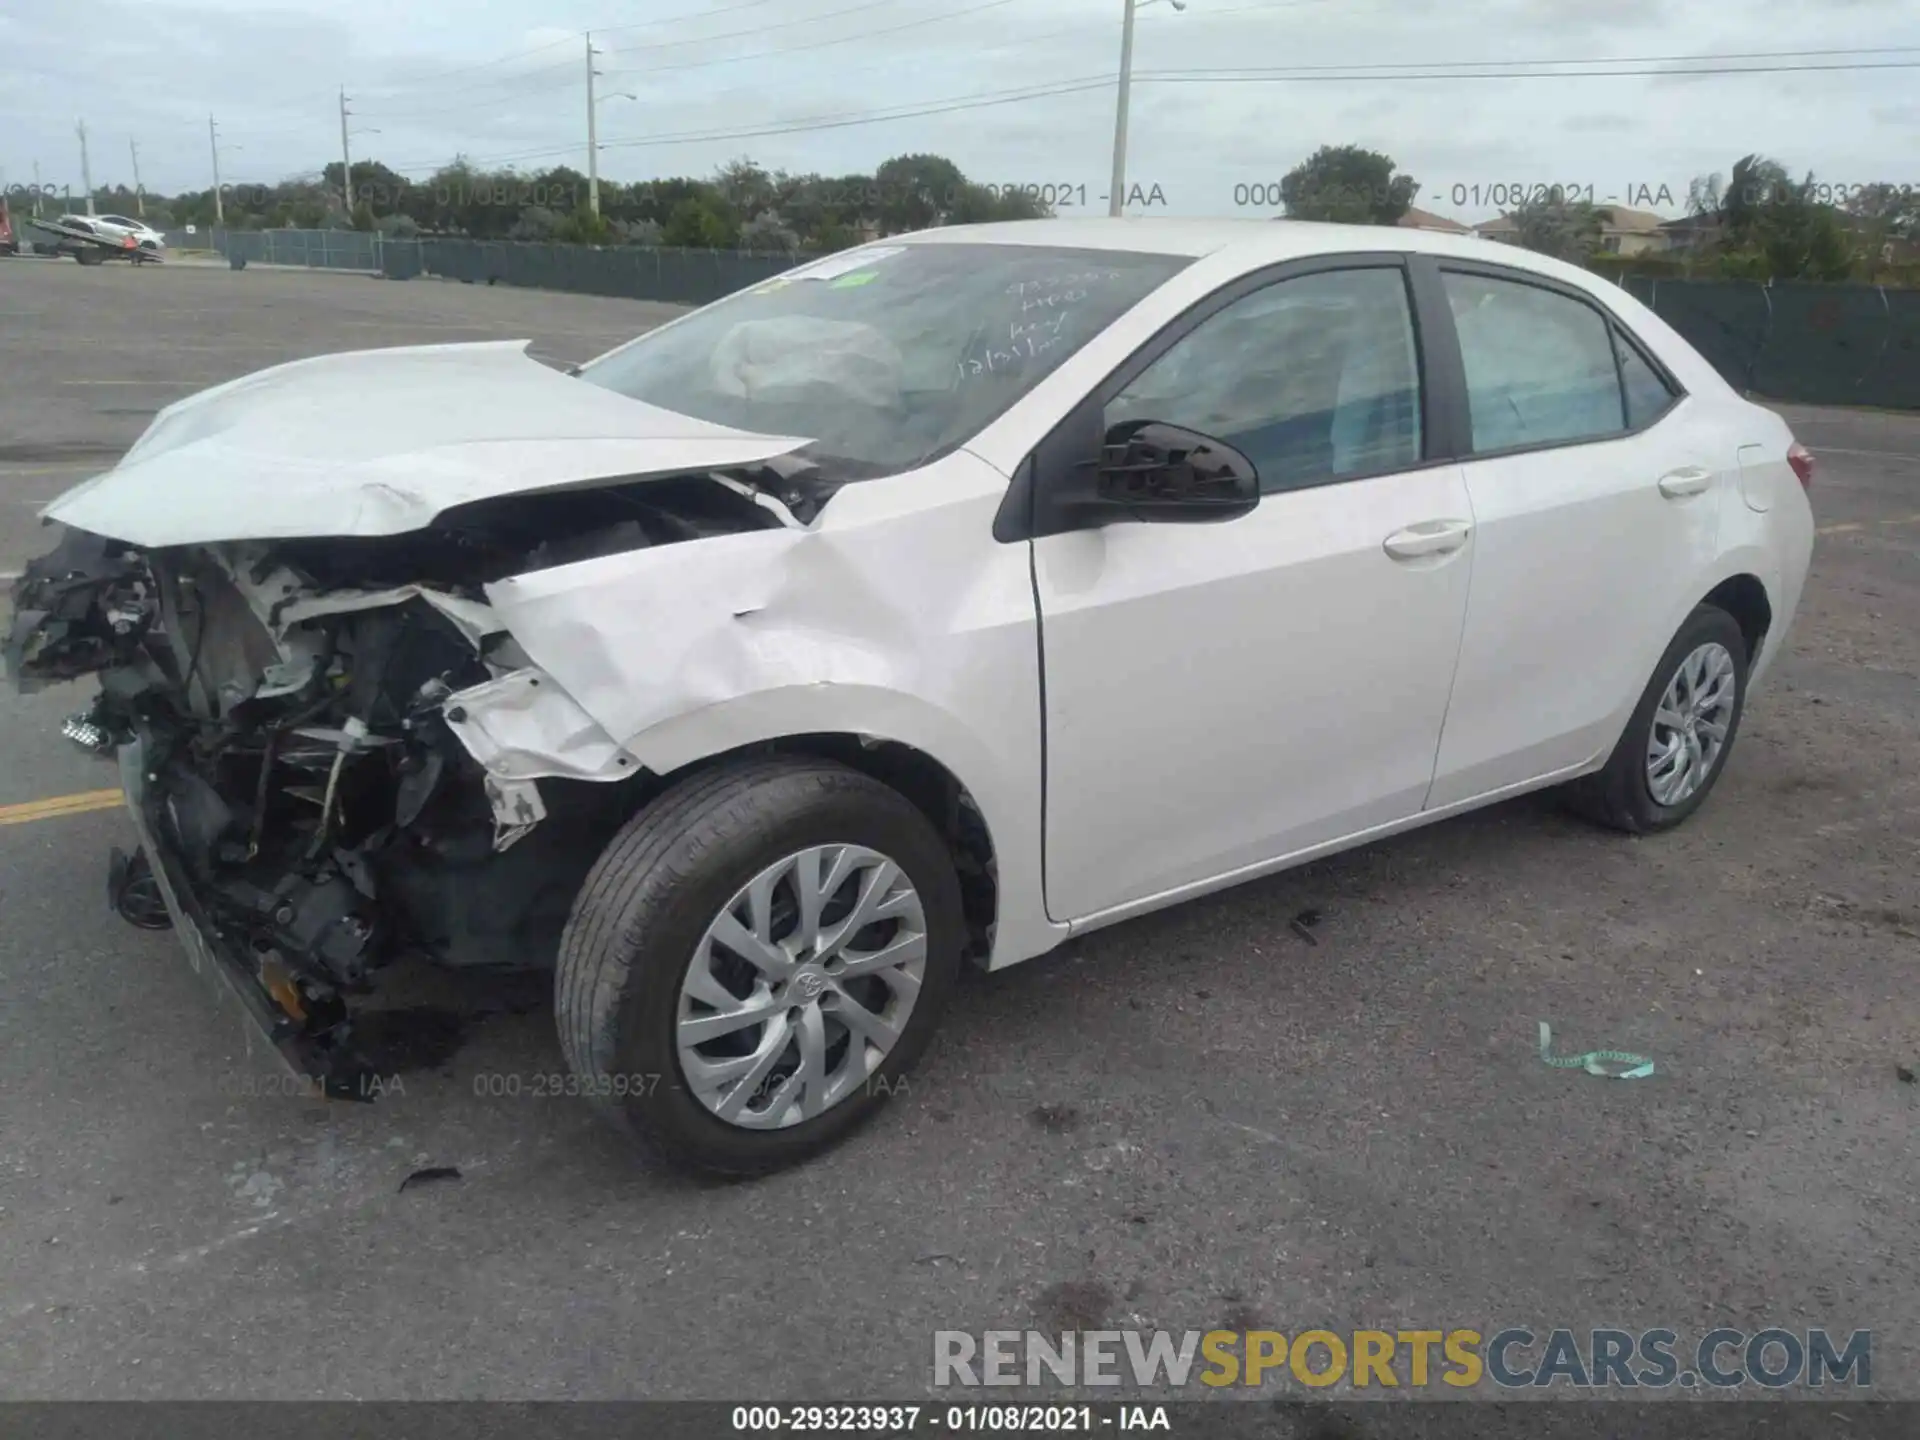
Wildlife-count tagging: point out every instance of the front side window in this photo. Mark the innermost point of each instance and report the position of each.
(1540, 366)
(889, 356)
(1314, 379)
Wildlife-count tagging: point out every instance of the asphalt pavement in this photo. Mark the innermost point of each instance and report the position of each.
(1202, 1119)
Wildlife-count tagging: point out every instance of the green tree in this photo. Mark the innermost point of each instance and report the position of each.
(1801, 238)
(1881, 215)
(1348, 184)
(698, 223)
(916, 191)
(1755, 184)
(583, 227)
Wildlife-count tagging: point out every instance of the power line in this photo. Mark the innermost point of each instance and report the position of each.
(1444, 70)
(568, 65)
(759, 29)
(819, 123)
(489, 85)
(1071, 87)
(1600, 60)
(818, 44)
(574, 37)
(1189, 77)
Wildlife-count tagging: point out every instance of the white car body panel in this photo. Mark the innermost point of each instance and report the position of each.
(1220, 701)
(379, 442)
(897, 617)
(1554, 638)
(1219, 694)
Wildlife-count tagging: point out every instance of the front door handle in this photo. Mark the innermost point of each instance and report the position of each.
(1429, 537)
(1678, 484)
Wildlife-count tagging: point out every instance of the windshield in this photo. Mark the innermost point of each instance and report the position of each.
(888, 356)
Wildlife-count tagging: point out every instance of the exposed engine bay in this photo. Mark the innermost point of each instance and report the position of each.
(309, 808)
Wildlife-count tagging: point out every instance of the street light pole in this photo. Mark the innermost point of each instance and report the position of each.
(1117, 187)
(139, 190)
(86, 171)
(219, 209)
(593, 136)
(346, 162)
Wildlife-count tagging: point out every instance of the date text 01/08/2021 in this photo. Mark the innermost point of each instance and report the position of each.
(921, 1419)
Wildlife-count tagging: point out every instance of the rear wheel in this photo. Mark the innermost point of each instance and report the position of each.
(756, 961)
(1677, 741)
(89, 257)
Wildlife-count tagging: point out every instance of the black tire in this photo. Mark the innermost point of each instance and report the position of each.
(647, 903)
(89, 257)
(1619, 795)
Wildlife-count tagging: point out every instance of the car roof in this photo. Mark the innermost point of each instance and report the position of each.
(1249, 244)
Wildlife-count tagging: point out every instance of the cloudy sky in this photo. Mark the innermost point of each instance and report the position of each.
(1432, 84)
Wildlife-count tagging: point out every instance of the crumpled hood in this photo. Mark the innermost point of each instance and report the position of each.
(379, 442)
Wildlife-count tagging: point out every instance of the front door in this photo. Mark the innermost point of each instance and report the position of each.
(1220, 695)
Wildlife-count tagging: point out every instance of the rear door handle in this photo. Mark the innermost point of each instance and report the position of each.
(1429, 537)
(1678, 484)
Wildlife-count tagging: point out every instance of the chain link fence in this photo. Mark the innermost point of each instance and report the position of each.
(635, 272)
(1807, 343)
(1813, 344)
(356, 250)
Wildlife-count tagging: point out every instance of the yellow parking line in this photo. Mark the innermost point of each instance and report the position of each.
(1853, 525)
(61, 805)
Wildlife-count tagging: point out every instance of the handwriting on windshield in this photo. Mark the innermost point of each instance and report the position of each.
(1044, 306)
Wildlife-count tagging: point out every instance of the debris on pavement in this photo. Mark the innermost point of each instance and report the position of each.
(1595, 1062)
(1905, 1075)
(429, 1175)
(1303, 923)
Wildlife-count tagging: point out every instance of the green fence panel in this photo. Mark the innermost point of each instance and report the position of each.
(1825, 343)
(1727, 321)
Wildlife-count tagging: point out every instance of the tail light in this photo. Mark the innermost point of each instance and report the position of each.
(1801, 459)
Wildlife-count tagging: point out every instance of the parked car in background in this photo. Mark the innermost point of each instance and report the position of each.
(935, 601)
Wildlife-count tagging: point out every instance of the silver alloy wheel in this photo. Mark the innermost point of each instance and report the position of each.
(801, 986)
(1690, 725)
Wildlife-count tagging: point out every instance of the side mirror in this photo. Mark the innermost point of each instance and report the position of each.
(1155, 471)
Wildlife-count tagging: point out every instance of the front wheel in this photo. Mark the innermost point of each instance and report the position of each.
(1677, 741)
(756, 961)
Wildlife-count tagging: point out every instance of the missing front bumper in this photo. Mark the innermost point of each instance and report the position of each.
(275, 1040)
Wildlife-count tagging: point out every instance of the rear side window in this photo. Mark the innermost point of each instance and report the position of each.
(1540, 366)
(1647, 394)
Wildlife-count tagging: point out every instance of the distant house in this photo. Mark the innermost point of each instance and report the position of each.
(1622, 231)
(1692, 232)
(1418, 219)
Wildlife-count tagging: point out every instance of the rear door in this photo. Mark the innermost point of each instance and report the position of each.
(1220, 695)
(1596, 493)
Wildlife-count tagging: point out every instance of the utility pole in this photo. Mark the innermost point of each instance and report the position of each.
(346, 162)
(219, 209)
(139, 191)
(36, 189)
(1117, 188)
(86, 171)
(593, 136)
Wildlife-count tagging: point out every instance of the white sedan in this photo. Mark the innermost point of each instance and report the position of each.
(144, 235)
(936, 601)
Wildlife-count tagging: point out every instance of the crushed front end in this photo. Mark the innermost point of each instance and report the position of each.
(281, 714)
